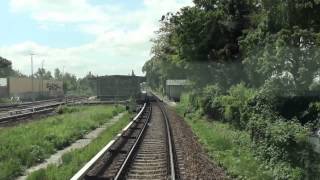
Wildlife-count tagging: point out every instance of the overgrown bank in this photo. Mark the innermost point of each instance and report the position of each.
(28, 144)
(250, 126)
(73, 161)
(253, 64)
(229, 147)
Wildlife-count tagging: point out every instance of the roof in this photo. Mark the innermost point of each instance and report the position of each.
(141, 78)
(106, 76)
(177, 82)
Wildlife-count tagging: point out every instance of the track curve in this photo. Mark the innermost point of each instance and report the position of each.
(144, 150)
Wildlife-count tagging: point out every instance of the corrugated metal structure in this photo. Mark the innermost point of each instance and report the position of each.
(118, 86)
(175, 87)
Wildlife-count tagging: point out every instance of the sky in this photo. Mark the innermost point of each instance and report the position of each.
(105, 37)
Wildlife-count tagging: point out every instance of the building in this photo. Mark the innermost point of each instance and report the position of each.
(175, 87)
(118, 87)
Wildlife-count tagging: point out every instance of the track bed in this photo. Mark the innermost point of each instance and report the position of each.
(144, 150)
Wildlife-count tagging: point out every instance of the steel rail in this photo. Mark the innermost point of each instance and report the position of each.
(7, 107)
(32, 111)
(170, 142)
(126, 162)
(39, 109)
(84, 170)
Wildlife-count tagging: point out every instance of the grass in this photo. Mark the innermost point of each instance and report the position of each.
(230, 148)
(4, 100)
(28, 144)
(73, 161)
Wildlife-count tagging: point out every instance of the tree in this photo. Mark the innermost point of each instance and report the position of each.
(57, 74)
(69, 82)
(43, 74)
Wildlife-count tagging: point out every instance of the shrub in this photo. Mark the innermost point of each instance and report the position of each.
(209, 101)
(282, 142)
(189, 102)
(65, 109)
(234, 104)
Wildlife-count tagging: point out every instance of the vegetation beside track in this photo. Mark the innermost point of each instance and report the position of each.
(73, 161)
(229, 148)
(28, 144)
(4, 100)
(253, 65)
(255, 127)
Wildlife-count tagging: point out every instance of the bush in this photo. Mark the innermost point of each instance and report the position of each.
(282, 142)
(65, 109)
(279, 140)
(208, 101)
(189, 102)
(234, 104)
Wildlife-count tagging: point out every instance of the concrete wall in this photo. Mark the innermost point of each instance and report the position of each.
(23, 87)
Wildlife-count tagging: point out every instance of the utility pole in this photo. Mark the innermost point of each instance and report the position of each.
(32, 88)
(43, 71)
(63, 79)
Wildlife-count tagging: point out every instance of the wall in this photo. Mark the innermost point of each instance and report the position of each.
(119, 86)
(23, 87)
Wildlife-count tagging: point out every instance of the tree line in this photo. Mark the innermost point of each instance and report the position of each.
(254, 64)
(71, 84)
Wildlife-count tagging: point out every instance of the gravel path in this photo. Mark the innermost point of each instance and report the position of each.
(194, 163)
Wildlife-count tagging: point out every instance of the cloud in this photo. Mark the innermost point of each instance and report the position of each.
(122, 36)
(60, 11)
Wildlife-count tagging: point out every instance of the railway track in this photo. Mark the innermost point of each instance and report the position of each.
(27, 111)
(17, 112)
(17, 106)
(144, 150)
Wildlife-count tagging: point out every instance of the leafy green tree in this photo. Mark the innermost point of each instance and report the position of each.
(43, 74)
(69, 83)
(57, 74)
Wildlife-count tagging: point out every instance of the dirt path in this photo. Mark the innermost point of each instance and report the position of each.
(56, 158)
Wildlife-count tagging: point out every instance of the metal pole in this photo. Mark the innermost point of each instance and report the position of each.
(42, 92)
(63, 80)
(32, 90)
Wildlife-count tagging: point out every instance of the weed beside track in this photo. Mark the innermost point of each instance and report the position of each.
(28, 144)
(74, 160)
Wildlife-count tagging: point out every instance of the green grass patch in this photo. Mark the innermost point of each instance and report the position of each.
(230, 148)
(28, 144)
(4, 100)
(75, 160)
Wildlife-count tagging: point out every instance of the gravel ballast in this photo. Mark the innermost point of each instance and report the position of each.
(194, 162)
